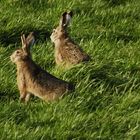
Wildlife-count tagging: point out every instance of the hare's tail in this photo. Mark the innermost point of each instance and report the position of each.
(71, 87)
(87, 58)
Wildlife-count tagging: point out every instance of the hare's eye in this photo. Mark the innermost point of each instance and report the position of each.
(17, 52)
(53, 30)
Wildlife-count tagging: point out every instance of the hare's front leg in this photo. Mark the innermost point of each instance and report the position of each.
(27, 98)
(23, 94)
(58, 57)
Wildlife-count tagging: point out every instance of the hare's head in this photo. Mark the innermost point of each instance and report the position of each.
(60, 31)
(24, 53)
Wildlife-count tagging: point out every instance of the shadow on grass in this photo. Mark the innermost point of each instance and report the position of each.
(114, 3)
(35, 4)
(12, 36)
(100, 85)
(18, 113)
(50, 123)
(6, 96)
(113, 85)
(109, 74)
(123, 37)
(113, 77)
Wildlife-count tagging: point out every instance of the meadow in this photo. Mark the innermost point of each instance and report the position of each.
(106, 102)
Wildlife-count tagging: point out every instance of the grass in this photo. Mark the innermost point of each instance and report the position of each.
(106, 102)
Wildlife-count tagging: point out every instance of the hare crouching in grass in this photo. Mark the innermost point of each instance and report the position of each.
(66, 51)
(31, 79)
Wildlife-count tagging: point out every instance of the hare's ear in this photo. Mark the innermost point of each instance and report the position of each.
(23, 41)
(65, 19)
(24, 44)
(27, 42)
(70, 14)
(30, 40)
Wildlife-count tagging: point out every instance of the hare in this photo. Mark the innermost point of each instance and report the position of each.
(31, 79)
(66, 51)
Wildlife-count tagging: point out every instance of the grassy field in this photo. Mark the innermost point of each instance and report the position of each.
(106, 102)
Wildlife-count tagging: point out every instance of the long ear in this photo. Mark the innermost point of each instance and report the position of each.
(23, 41)
(65, 19)
(27, 42)
(30, 40)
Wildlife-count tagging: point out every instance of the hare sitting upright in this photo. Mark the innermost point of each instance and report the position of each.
(66, 51)
(31, 79)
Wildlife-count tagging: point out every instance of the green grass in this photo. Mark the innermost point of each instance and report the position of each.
(106, 102)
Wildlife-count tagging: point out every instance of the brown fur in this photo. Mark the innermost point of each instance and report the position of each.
(31, 79)
(66, 51)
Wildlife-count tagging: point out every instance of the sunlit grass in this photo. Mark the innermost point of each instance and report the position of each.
(105, 104)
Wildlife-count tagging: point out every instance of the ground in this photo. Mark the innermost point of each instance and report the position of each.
(106, 102)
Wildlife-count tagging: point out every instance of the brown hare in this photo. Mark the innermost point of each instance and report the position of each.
(31, 79)
(67, 52)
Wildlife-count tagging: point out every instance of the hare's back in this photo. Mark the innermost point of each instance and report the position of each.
(73, 53)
